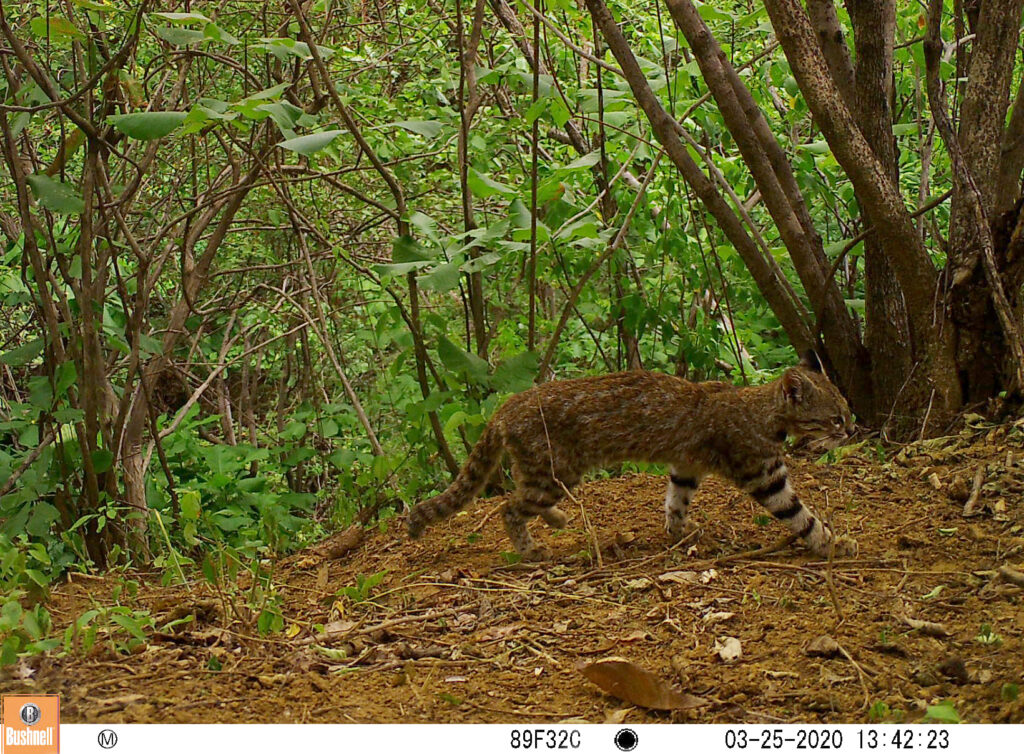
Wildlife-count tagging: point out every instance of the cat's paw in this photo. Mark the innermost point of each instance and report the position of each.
(554, 517)
(845, 547)
(536, 554)
(678, 530)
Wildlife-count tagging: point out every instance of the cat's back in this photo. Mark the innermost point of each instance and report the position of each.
(620, 394)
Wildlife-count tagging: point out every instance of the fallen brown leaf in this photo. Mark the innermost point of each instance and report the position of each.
(823, 646)
(631, 683)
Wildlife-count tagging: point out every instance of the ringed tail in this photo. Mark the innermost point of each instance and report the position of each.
(471, 479)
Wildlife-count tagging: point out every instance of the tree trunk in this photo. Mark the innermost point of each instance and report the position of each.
(887, 329)
(991, 156)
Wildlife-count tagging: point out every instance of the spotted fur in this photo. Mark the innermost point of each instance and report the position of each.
(555, 432)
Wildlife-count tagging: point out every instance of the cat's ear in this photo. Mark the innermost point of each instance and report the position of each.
(792, 386)
(811, 361)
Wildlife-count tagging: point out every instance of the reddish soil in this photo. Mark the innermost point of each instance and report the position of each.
(455, 634)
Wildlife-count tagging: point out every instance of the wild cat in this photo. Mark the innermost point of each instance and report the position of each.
(556, 431)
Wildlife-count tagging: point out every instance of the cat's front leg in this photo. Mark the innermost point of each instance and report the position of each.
(682, 486)
(772, 489)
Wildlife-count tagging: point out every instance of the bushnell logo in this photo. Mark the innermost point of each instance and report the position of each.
(30, 713)
(30, 724)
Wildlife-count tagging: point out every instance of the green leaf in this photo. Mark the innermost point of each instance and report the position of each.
(536, 110)
(183, 19)
(711, 13)
(22, 355)
(443, 278)
(815, 147)
(58, 27)
(43, 515)
(428, 128)
(11, 611)
(147, 126)
(177, 36)
(283, 48)
(310, 143)
(943, 712)
(65, 377)
(342, 459)
(588, 160)
(191, 505)
(483, 261)
(214, 32)
(484, 187)
(130, 625)
(516, 373)
(406, 249)
(102, 460)
(559, 112)
(329, 428)
(93, 5)
(519, 214)
(55, 195)
(461, 362)
(40, 394)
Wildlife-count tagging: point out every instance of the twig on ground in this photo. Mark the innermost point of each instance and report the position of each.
(361, 631)
(779, 544)
(938, 630)
(979, 478)
(861, 674)
(832, 593)
(483, 521)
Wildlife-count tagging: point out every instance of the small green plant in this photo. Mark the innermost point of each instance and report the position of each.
(364, 587)
(829, 457)
(473, 537)
(123, 629)
(270, 618)
(23, 631)
(943, 712)
(987, 636)
(879, 711)
(26, 569)
(511, 557)
(1009, 692)
(880, 452)
(762, 520)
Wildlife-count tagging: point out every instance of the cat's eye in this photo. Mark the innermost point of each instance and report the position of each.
(837, 421)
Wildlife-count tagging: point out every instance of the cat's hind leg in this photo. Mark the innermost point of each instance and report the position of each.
(537, 494)
(517, 514)
(682, 486)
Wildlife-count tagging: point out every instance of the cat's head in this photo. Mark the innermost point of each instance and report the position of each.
(812, 407)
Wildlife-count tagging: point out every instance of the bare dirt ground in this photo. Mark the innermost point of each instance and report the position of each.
(454, 633)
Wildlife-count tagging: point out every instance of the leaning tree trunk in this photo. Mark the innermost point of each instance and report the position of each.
(932, 393)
